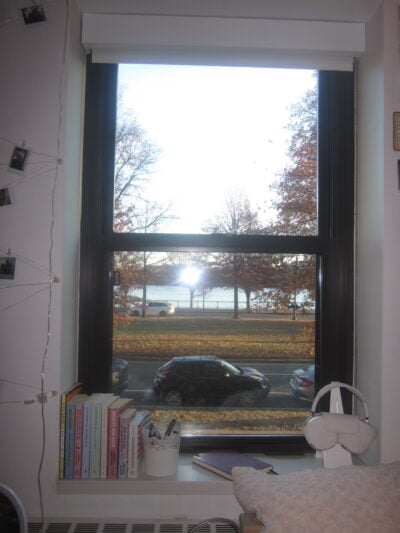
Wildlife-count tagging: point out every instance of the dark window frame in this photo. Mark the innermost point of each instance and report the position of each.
(333, 246)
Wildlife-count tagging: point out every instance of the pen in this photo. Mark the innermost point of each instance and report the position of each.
(169, 428)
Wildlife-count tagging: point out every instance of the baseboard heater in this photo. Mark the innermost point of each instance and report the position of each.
(130, 526)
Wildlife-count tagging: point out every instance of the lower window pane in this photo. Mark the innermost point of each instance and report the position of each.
(224, 342)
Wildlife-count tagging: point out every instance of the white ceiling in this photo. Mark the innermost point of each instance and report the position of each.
(329, 10)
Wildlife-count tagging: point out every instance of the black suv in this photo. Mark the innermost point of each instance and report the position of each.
(206, 379)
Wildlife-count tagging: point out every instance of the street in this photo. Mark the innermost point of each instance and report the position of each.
(142, 374)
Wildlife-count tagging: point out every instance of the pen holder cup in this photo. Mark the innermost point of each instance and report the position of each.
(161, 451)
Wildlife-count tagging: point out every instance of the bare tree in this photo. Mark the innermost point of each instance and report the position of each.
(148, 219)
(134, 212)
(237, 218)
(135, 154)
(135, 159)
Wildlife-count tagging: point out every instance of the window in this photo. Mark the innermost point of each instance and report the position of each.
(216, 150)
(222, 295)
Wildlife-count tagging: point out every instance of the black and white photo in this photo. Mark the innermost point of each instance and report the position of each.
(33, 14)
(5, 198)
(7, 267)
(18, 158)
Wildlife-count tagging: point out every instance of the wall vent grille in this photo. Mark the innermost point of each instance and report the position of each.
(133, 526)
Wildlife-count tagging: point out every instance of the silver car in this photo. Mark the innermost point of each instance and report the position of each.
(154, 309)
(302, 383)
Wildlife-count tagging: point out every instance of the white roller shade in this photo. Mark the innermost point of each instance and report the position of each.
(225, 41)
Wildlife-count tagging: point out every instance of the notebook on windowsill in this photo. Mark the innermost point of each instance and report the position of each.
(222, 461)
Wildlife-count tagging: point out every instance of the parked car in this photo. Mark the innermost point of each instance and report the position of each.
(120, 375)
(154, 309)
(207, 379)
(302, 383)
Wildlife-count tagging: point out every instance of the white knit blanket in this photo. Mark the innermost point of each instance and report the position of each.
(348, 499)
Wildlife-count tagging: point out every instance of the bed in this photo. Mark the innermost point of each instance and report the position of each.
(355, 498)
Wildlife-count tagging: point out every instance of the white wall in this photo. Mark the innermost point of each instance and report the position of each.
(40, 104)
(370, 209)
(390, 425)
(32, 74)
(378, 223)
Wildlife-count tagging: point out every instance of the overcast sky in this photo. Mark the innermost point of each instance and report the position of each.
(218, 128)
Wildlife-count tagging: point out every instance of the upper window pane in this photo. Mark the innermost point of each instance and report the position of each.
(216, 150)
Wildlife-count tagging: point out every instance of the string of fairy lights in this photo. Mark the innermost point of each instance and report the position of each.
(23, 169)
(25, 166)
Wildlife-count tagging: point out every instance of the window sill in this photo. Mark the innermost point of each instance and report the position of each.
(190, 479)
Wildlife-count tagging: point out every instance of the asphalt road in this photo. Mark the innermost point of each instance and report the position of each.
(142, 374)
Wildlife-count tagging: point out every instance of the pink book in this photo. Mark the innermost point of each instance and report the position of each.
(135, 442)
(114, 413)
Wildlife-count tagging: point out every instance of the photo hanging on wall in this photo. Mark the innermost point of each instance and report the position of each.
(18, 158)
(33, 14)
(5, 198)
(7, 267)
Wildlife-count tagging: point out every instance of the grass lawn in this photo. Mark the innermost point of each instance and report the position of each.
(225, 337)
(234, 421)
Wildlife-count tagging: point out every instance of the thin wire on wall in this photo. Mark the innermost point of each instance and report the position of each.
(50, 257)
(49, 165)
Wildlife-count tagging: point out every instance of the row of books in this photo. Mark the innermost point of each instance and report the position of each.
(100, 436)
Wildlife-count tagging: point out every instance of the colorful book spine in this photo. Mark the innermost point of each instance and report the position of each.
(69, 441)
(114, 413)
(124, 421)
(95, 439)
(135, 442)
(87, 413)
(78, 439)
(95, 433)
(104, 436)
(65, 397)
(70, 436)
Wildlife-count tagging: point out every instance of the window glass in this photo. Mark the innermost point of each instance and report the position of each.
(238, 331)
(247, 260)
(216, 150)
